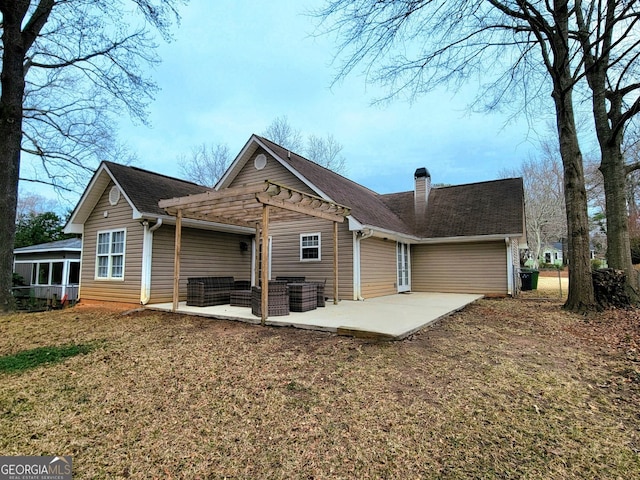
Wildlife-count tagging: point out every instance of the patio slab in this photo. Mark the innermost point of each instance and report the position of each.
(393, 317)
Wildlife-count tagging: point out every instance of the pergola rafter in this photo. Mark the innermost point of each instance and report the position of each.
(254, 206)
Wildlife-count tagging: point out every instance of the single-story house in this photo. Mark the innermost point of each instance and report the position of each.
(552, 253)
(49, 270)
(460, 238)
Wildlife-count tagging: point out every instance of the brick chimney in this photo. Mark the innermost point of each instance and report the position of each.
(421, 191)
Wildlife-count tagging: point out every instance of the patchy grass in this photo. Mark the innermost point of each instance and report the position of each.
(35, 357)
(505, 388)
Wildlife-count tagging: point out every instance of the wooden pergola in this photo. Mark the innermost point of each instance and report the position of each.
(253, 206)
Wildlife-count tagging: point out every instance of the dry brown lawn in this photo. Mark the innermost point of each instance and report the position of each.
(504, 389)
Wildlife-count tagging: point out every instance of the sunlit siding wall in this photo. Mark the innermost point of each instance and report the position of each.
(460, 268)
(273, 171)
(118, 216)
(203, 254)
(378, 267)
(285, 255)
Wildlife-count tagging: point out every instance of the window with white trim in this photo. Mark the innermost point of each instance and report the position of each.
(310, 247)
(110, 254)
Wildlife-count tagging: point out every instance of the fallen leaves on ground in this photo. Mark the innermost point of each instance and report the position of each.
(506, 388)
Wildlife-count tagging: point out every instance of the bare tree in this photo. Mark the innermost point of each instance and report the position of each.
(326, 151)
(544, 200)
(206, 165)
(523, 49)
(33, 204)
(610, 47)
(67, 68)
(281, 132)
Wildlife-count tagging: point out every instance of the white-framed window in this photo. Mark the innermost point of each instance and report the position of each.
(310, 244)
(110, 250)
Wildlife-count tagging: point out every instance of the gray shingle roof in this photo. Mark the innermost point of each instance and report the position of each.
(485, 208)
(145, 189)
(59, 245)
(366, 205)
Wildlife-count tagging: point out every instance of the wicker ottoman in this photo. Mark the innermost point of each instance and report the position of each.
(240, 298)
(303, 297)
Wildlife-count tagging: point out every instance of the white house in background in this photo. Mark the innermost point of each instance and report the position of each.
(552, 254)
(50, 269)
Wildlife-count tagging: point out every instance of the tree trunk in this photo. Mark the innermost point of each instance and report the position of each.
(618, 244)
(12, 78)
(581, 297)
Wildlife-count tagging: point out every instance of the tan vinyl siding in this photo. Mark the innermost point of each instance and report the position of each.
(285, 255)
(273, 171)
(460, 268)
(203, 253)
(119, 217)
(378, 267)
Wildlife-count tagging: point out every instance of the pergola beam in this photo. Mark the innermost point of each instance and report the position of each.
(253, 206)
(266, 199)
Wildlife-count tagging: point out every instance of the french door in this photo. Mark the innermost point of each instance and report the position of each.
(404, 274)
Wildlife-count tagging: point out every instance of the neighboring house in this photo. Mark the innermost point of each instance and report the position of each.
(552, 254)
(50, 269)
(453, 239)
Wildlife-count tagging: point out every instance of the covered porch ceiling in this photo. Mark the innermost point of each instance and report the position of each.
(253, 205)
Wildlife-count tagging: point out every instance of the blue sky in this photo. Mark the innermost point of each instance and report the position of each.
(234, 66)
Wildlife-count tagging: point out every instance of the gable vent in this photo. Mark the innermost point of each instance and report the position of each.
(114, 195)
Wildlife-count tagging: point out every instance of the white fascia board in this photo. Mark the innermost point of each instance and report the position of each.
(294, 172)
(354, 225)
(74, 225)
(237, 164)
(469, 239)
(74, 228)
(383, 233)
(243, 157)
(24, 252)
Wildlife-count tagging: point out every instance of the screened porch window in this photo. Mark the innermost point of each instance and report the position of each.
(110, 255)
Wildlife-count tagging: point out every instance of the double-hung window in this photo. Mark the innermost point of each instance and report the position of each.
(310, 247)
(110, 255)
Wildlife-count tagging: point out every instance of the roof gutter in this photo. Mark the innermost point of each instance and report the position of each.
(469, 239)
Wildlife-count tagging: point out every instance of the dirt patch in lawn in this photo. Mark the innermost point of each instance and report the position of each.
(505, 388)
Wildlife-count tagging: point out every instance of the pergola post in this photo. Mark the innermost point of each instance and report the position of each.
(265, 265)
(256, 253)
(176, 261)
(335, 263)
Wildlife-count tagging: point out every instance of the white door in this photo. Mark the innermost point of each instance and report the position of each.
(404, 282)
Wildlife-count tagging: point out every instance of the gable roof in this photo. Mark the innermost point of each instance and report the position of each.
(451, 211)
(141, 188)
(145, 189)
(494, 208)
(367, 206)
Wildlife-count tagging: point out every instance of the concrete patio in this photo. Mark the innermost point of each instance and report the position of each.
(393, 317)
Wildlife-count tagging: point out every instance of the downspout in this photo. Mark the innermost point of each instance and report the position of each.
(510, 277)
(147, 250)
(360, 235)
